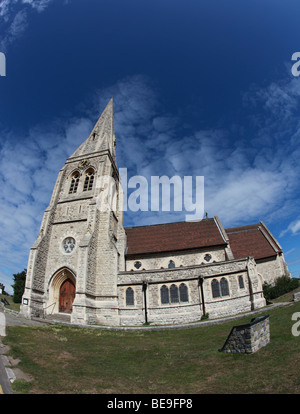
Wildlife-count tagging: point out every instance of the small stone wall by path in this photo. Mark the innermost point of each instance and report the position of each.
(296, 296)
(248, 338)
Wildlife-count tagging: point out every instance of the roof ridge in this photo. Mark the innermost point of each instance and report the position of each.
(242, 231)
(242, 228)
(165, 224)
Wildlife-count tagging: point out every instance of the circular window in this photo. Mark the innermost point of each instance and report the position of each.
(137, 265)
(69, 244)
(207, 257)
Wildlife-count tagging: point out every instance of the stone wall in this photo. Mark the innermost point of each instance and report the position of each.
(198, 301)
(161, 261)
(296, 296)
(272, 268)
(248, 338)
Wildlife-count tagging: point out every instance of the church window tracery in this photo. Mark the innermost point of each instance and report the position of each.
(89, 180)
(174, 294)
(69, 244)
(137, 265)
(207, 257)
(74, 183)
(219, 289)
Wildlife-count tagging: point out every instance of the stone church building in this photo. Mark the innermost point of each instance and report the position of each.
(86, 265)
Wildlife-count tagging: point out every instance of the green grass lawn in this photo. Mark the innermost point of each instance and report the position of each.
(81, 360)
(12, 304)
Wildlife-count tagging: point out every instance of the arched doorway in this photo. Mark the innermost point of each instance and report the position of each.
(66, 296)
(62, 290)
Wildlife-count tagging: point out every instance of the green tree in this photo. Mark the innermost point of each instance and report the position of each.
(282, 285)
(19, 286)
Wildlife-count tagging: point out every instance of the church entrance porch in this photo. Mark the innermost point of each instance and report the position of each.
(62, 290)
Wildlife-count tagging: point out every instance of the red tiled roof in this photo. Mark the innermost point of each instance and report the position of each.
(249, 241)
(173, 237)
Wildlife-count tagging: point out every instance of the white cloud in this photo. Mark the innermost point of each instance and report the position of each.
(293, 228)
(244, 182)
(29, 167)
(14, 16)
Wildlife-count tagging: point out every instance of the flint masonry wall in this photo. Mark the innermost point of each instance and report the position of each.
(248, 338)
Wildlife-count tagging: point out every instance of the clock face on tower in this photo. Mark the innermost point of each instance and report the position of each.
(69, 244)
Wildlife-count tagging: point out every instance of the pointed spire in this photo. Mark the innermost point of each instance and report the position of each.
(102, 135)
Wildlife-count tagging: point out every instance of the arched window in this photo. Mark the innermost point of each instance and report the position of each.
(241, 282)
(215, 288)
(74, 183)
(129, 297)
(174, 294)
(224, 287)
(89, 179)
(164, 295)
(183, 293)
(171, 264)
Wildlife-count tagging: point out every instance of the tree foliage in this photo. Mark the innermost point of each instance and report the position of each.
(283, 284)
(19, 286)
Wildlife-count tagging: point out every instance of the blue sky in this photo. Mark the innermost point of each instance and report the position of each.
(200, 88)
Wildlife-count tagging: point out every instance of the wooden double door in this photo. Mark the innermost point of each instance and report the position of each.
(66, 296)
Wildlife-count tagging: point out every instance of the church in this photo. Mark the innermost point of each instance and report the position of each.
(86, 266)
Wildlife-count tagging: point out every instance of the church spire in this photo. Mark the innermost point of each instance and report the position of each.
(102, 136)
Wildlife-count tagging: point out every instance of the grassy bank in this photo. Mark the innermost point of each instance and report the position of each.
(12, 305)
(77, 360)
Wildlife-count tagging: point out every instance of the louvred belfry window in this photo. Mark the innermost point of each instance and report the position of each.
(74, 183)
(89, 180)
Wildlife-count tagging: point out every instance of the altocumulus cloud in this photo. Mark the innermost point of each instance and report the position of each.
(246, 180)
(29, 167)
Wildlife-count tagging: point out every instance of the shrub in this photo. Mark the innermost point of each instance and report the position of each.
(282, 285)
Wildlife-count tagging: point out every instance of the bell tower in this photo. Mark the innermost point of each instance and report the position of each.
(74, 262)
